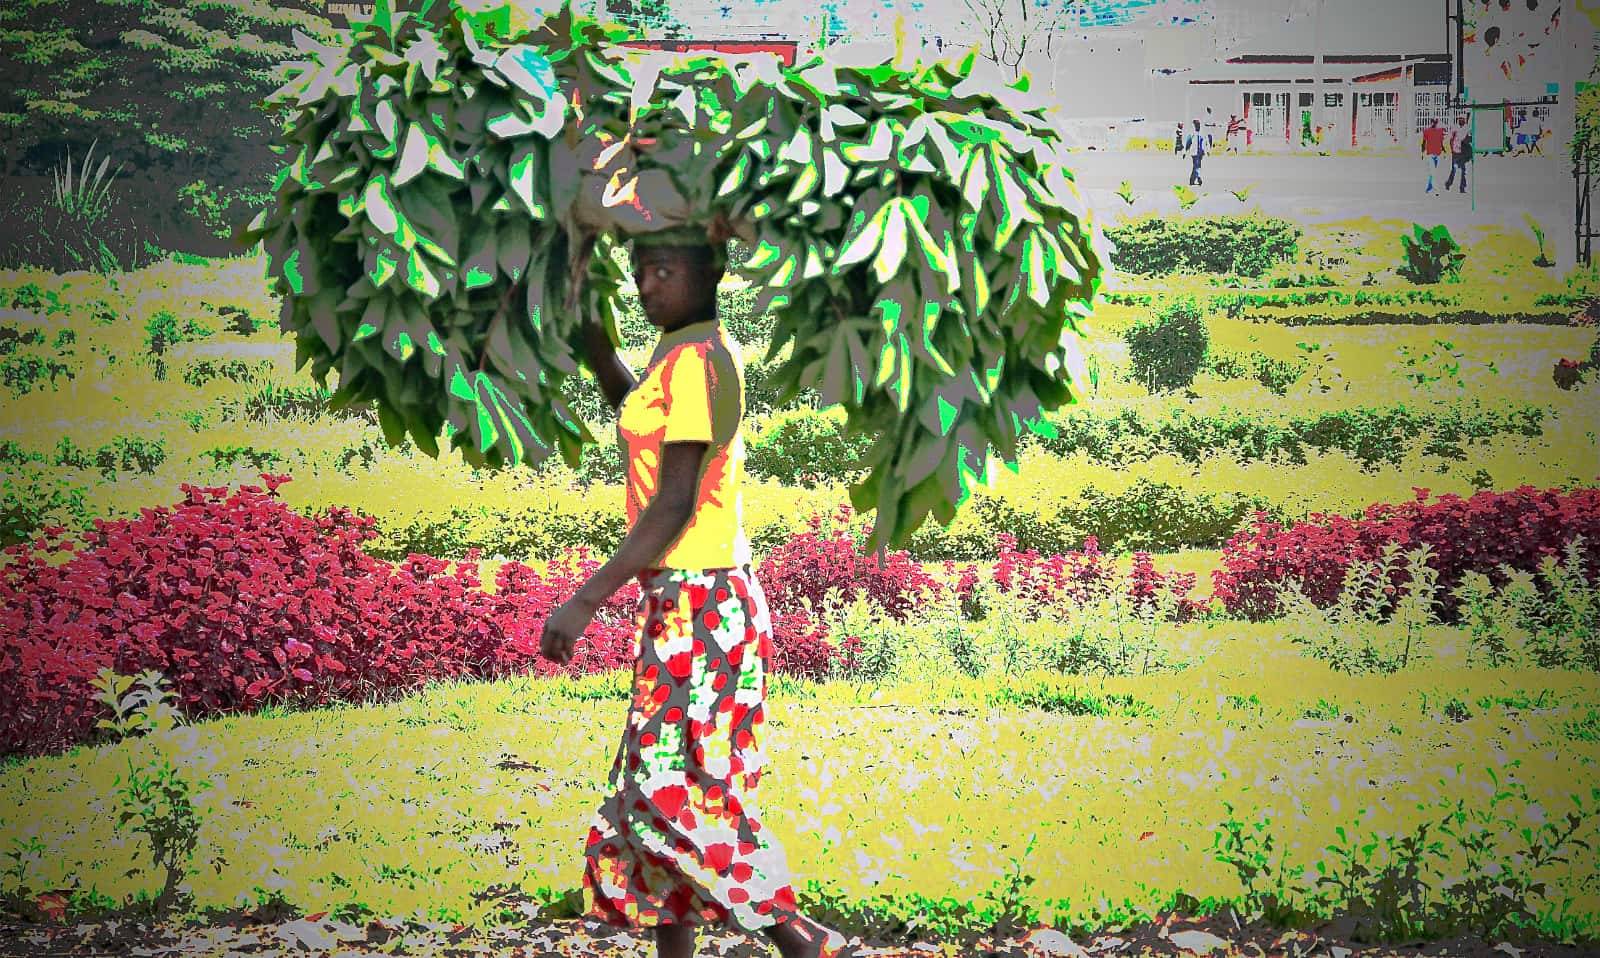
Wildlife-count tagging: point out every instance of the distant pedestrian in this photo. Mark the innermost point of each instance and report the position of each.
(1460, 152)
(1536, 141)
(1177, 140)
(1235, 128)
(1195, 149)
(1432, 149)
(1211, 130)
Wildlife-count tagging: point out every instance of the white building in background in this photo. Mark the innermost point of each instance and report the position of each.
(1308, 75)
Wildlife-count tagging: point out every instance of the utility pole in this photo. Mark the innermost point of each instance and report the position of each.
(1316, 85)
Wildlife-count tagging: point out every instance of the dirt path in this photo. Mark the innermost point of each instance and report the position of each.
(320, 936)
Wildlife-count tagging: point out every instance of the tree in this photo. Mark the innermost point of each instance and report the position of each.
(1011, 29)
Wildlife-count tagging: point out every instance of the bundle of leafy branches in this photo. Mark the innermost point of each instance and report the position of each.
(450, 213)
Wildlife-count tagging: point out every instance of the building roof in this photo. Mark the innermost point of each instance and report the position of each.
(1292, 72)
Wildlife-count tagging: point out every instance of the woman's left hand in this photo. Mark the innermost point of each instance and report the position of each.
(562, 629)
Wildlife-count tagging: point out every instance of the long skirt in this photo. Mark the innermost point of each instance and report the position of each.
(679, 839)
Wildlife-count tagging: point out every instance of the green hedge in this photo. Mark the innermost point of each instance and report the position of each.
(1369, 434)
(1243, 245)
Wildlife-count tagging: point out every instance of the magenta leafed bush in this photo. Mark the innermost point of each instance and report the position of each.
(811, 563)
(1479, 534)
(240, 601)
(1059, 582)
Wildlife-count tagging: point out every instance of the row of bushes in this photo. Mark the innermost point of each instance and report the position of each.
(242, 602)
(1244, 245)
(1163, 503)
(1485, 533)
(1283, 293)
(1371, 434)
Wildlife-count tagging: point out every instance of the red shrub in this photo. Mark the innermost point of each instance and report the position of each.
(800, 644)
(240, 601)
(810, 563)
(1039, 585)
(807, 566)
(1517, 528)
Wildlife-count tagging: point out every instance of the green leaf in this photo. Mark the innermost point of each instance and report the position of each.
(413, 154)
(893, 251)
(876, 150)
(527, 162)
(736, 175)
(430, 210)
(419, 277)
(513, 247)
(865, 242)
(394, 430)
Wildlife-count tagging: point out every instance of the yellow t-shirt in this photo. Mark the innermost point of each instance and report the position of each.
(692, 391)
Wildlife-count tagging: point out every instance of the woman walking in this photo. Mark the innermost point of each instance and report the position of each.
(679, 842)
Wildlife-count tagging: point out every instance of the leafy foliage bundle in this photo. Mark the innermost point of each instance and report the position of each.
(450, 215)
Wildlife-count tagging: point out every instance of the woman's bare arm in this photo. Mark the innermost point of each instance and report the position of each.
(613, 375)
(661, 523)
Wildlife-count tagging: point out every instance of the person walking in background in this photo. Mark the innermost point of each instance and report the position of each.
(1211, 131)
(1177, 140)
(1235, 128)
(1195, 149)
(1460, 152)
(1432, 150)
(678, 842)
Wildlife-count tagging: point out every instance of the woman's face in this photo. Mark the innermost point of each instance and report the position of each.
(675, 287)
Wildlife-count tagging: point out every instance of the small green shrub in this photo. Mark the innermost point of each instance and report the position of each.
(164, 330)
(1432, 255)
(33, 498)
(84, 226)
(156, 796)
(1277, 375)
(1371, 627)
(1520, 625)
(1168, 350)
(206, 370)
(136, 454)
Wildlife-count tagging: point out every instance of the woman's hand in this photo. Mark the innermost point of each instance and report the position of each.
(562, 629)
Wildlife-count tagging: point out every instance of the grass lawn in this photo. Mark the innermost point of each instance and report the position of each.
(938, 801)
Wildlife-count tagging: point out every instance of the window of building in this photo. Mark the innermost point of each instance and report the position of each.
(1305, 99)
(1431, 106)
(1333, 100)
